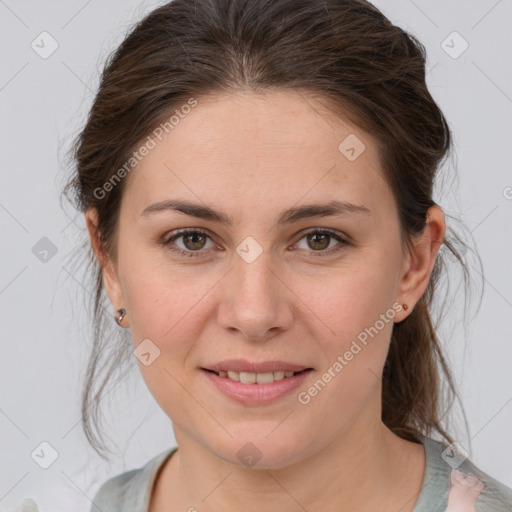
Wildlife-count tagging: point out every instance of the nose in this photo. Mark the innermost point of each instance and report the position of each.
(256, 301)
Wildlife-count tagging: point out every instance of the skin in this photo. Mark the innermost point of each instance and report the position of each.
(252, 156)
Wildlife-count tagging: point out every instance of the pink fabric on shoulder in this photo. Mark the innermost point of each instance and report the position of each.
(464, 491)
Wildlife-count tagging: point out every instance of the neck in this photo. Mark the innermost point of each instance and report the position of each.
(362, 469)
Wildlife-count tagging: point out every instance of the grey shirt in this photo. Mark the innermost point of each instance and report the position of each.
(449, 485)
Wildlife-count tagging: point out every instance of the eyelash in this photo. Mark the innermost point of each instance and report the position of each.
(194, 254)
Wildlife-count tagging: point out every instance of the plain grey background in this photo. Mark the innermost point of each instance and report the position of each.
(44, 335)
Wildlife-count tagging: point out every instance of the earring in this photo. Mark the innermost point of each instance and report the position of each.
(122, 313)
(405, 306)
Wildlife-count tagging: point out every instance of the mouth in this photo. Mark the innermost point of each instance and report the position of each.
(257, 378)
(272, 381)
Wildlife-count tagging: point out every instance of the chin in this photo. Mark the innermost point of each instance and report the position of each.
(260, 452)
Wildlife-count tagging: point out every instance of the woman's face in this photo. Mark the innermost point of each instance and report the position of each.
(260, 288)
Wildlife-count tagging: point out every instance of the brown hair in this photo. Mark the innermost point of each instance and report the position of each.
(344, 51)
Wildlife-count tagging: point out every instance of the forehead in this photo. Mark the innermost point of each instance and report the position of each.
(255, 149)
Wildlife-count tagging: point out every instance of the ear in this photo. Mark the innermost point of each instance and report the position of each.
(420, 261)
(110, 277)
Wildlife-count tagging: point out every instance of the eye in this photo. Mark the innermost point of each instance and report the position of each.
(193, 239)
(320, 239)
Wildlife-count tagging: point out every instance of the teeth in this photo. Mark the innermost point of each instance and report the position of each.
(264, 378)
(255, 378)
(234, 376)
(248, 378)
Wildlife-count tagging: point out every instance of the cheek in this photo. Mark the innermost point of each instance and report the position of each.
(350, 301)
(167, 309)
(164, 300)
(169, 387)
(356, 309)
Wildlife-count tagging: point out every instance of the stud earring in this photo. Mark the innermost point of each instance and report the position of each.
(122, 313)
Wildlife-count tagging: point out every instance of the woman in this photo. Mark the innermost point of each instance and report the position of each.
(256, 179)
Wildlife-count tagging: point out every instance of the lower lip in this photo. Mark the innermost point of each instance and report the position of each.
(254, 394)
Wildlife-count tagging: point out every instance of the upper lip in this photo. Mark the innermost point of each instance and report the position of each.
(242, 365)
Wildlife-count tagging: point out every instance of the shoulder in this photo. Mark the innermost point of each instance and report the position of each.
(492, 495)
(129, 489)
(453, 482)
(113, 493)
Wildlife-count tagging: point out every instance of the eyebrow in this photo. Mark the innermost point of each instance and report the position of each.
(201, 211)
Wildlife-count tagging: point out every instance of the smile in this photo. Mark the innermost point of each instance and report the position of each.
(253, 389)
